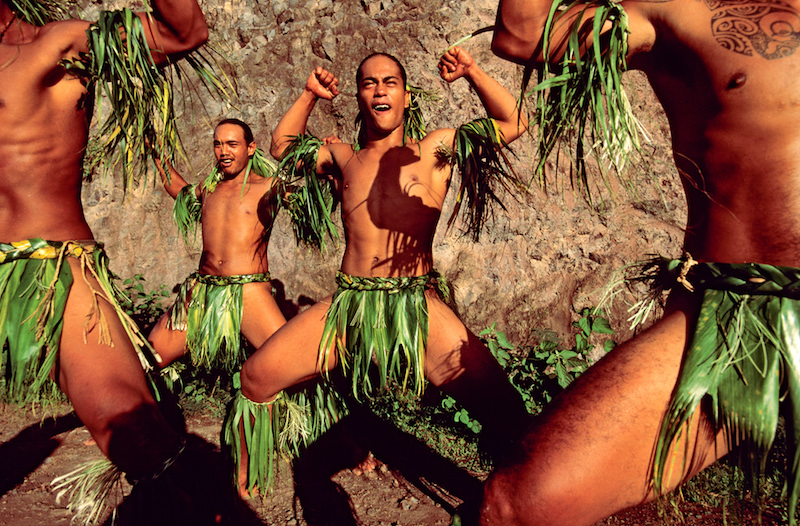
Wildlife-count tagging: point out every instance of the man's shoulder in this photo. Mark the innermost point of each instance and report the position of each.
(64, 34)
(338, 148)
(438, 137)
(72, 26)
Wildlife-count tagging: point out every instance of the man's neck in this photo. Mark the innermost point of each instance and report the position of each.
(377, 141)
(240, 177)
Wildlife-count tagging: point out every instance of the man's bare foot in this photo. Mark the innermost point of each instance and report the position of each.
(243, 493)
(367, 465)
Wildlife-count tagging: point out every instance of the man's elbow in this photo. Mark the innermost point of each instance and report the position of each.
(510, 47)
(188, 36)
(199, 35)
(194, 38)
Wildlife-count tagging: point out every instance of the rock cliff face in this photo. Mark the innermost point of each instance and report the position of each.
(540, 261)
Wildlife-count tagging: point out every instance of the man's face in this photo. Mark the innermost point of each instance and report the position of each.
(382, 96)
(231, 149)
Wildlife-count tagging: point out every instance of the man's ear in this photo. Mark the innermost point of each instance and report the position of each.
(251, 149)
(408, 99)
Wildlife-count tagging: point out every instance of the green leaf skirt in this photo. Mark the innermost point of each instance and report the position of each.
(35, 281)
(209, 309)
(380, 322)
(744, 357)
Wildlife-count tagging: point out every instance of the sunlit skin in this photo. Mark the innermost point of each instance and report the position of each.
(44, 116)
(236, 222)
(391, 195)
(728, 83)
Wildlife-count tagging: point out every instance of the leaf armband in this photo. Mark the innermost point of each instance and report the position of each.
(483, 167)
(139, 93)
(187, 212)
(311, 204)
(584, 89)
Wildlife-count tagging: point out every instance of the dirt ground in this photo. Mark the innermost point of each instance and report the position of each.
(411, 487)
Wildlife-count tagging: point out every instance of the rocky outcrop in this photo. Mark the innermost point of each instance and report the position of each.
(540, 261)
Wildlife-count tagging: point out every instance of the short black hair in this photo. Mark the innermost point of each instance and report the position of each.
(248, 133)
(390, 57)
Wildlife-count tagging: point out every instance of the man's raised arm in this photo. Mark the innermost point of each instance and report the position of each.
(500, 104)
(520, 25)
(321, 84)
(172, 183)
(174, 28)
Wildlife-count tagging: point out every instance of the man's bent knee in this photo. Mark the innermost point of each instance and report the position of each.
(254, 383)
(497, 506)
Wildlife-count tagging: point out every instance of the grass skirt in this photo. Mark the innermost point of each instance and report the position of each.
(744, 356)
(282, 427)
(34, 285)
(381, 321)
(209, 309)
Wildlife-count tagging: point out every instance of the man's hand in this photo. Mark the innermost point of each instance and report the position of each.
(322, 84)
(454, 64)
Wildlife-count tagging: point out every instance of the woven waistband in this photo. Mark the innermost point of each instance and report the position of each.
(241, 279)
(740, 278)
(37, 248)
(347, 281)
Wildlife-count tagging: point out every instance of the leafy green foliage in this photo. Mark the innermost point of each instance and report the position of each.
(145, 307)
(538, 373)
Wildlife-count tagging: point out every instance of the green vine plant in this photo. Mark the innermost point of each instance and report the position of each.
(545, 369)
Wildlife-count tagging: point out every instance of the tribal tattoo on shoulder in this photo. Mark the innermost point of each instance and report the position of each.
(768, 28)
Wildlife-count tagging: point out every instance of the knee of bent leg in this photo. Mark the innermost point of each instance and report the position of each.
(499, 501)
(516, 498)
(255, 382)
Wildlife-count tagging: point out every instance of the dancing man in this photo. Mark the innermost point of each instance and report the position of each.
(231, 291)
(711, 373)
(58, 314)
(391, 307)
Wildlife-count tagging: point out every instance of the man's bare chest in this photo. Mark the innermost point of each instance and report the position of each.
(31, 75)
(767, 29)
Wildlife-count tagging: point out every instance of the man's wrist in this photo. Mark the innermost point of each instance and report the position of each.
(309, 96)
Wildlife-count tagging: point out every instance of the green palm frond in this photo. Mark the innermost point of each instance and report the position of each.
(89, 490)
(214, 322)
(414, 119)
(584, 90)
(311, 203)
(140, 96)
(282, 427)
(382, 323)
(471, 35)
(483, 169)
(40, 12)
(187, 213)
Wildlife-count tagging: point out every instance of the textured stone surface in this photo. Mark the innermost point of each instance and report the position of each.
(539, 263)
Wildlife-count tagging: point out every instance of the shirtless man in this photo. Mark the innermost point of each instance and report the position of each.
(392, 189)
(236, 218)
(45, 118)
(726, 81)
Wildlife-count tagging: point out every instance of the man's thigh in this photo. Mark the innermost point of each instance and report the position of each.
(589, 454)
(462, 366)
(261, 317)
(101, 378)
(288, 357)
